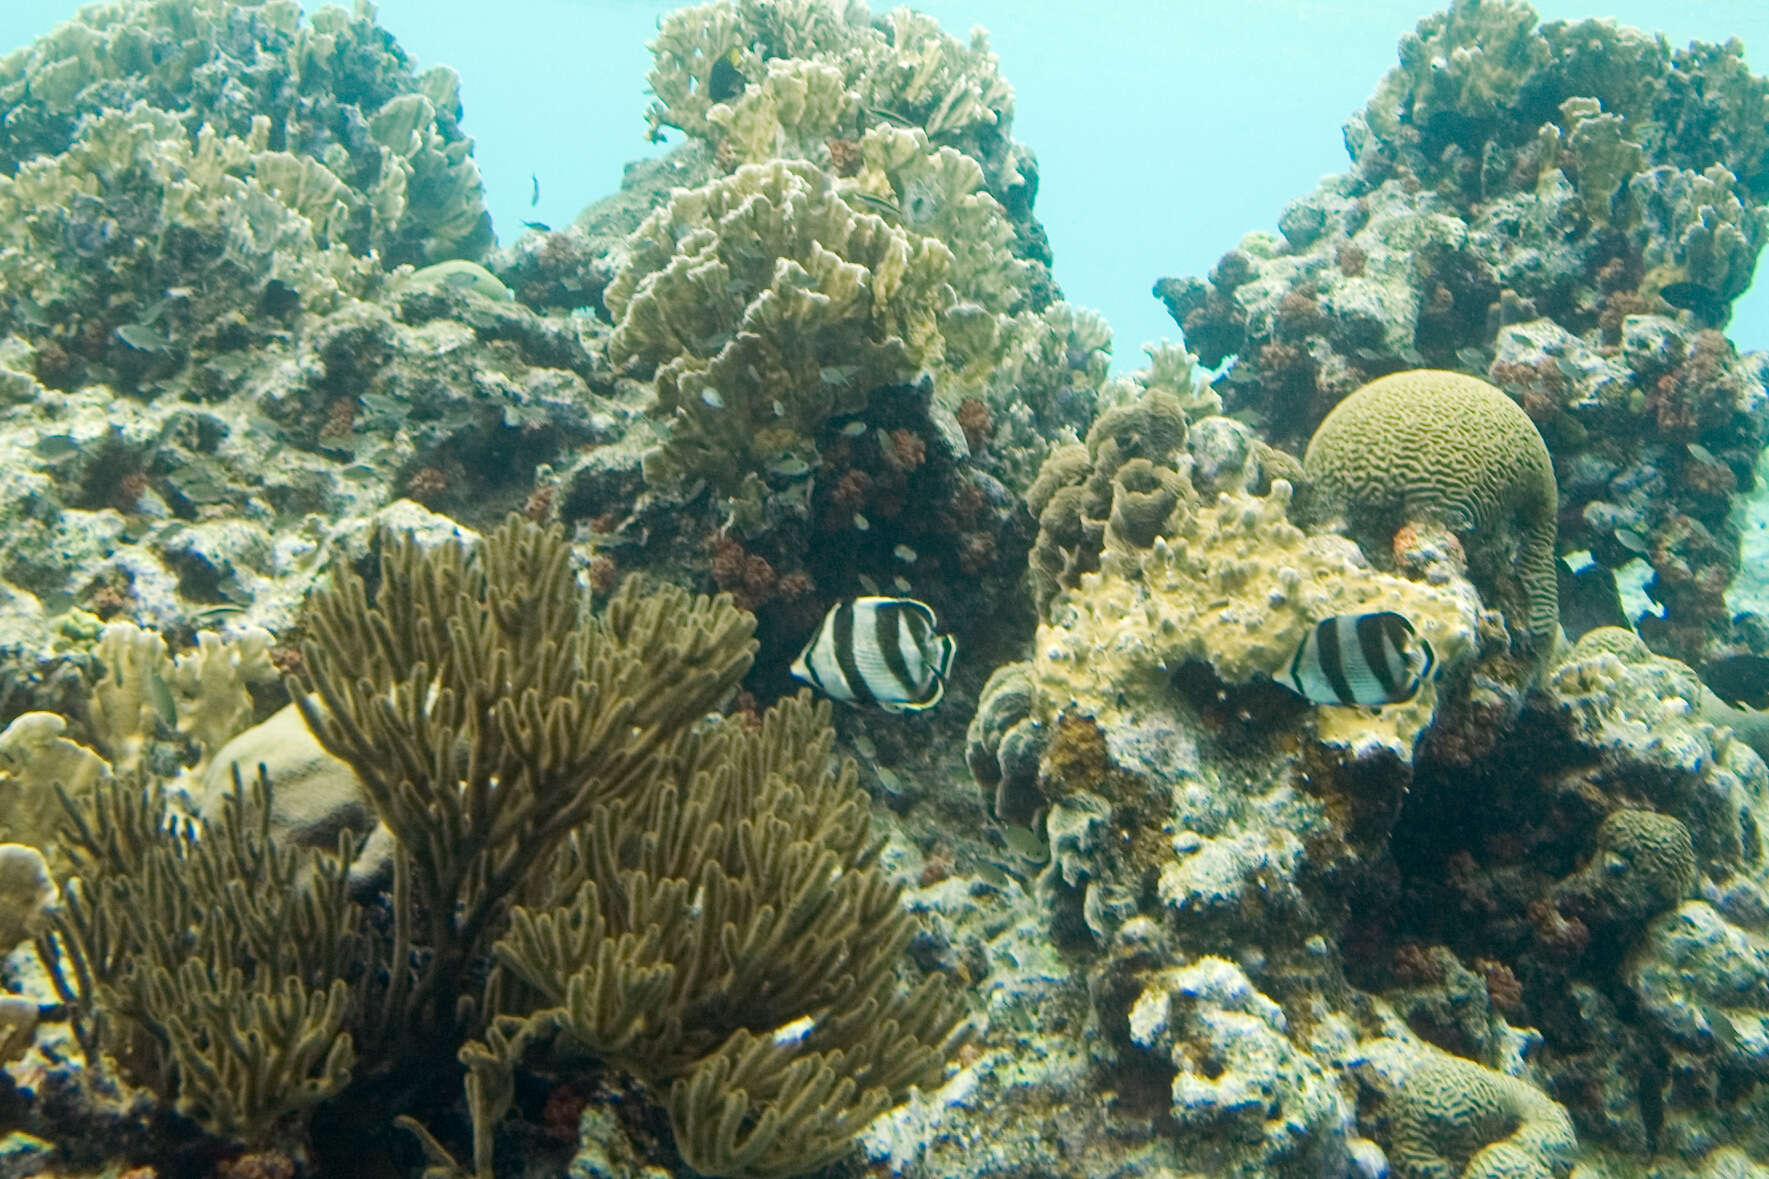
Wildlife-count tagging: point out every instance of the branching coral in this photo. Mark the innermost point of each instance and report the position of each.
(769, 839)
(684, 890)
(147, 711)
(216, 965)
(487, 717)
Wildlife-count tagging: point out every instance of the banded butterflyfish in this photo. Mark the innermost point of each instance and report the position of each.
(1366, 660)
(878, 650)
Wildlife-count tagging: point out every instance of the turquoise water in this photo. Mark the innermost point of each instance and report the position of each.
(1163, 131)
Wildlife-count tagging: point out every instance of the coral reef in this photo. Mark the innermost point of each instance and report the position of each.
(1522, 200)
(1236, 586)
(815, 78)
(508, 846)
(737, 293)
(360, 140)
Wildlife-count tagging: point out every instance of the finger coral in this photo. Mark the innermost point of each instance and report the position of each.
(1449, 449)
(213, 967)
(769, 837)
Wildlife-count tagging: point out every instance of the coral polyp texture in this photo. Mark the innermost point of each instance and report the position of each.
(1521, 199)
(1236, 586)
(1448, 449)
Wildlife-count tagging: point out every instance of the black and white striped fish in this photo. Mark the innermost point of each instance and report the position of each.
(1364, 659)
(881, 651)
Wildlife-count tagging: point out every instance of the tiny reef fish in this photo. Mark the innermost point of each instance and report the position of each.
(1740, 680)
(726, 81)
(1703, 301)
(1359, 659)
(877, 650)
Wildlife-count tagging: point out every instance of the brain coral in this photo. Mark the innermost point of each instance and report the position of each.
(1454, 1117)
(1439, 446)
(1643, 864)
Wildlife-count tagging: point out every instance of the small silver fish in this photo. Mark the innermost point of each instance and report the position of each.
(877, 650)
(1369, 660)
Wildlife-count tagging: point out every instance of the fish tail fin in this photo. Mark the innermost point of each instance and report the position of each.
(948, 648)
(1430, 663)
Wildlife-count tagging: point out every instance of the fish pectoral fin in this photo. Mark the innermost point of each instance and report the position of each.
(948, 648)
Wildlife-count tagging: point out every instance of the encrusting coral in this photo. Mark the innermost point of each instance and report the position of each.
(1237, 586)
(553, 817)
(1449, 449)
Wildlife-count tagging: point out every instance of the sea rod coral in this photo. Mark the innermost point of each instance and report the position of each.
(552, 815)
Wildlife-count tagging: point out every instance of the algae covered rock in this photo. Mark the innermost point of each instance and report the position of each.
(1641, 716)
(1254, 1101)
(1701, 979)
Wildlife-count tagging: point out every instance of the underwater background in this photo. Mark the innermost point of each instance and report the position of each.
(1164, 131)
(774, 588)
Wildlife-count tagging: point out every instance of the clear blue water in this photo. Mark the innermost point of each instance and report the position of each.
(1164, 131)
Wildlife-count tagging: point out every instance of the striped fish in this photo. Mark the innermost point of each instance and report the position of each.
(1360, 659)
(881, 651)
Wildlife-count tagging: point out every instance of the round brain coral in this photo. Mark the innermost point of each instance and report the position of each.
(1428, 444)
